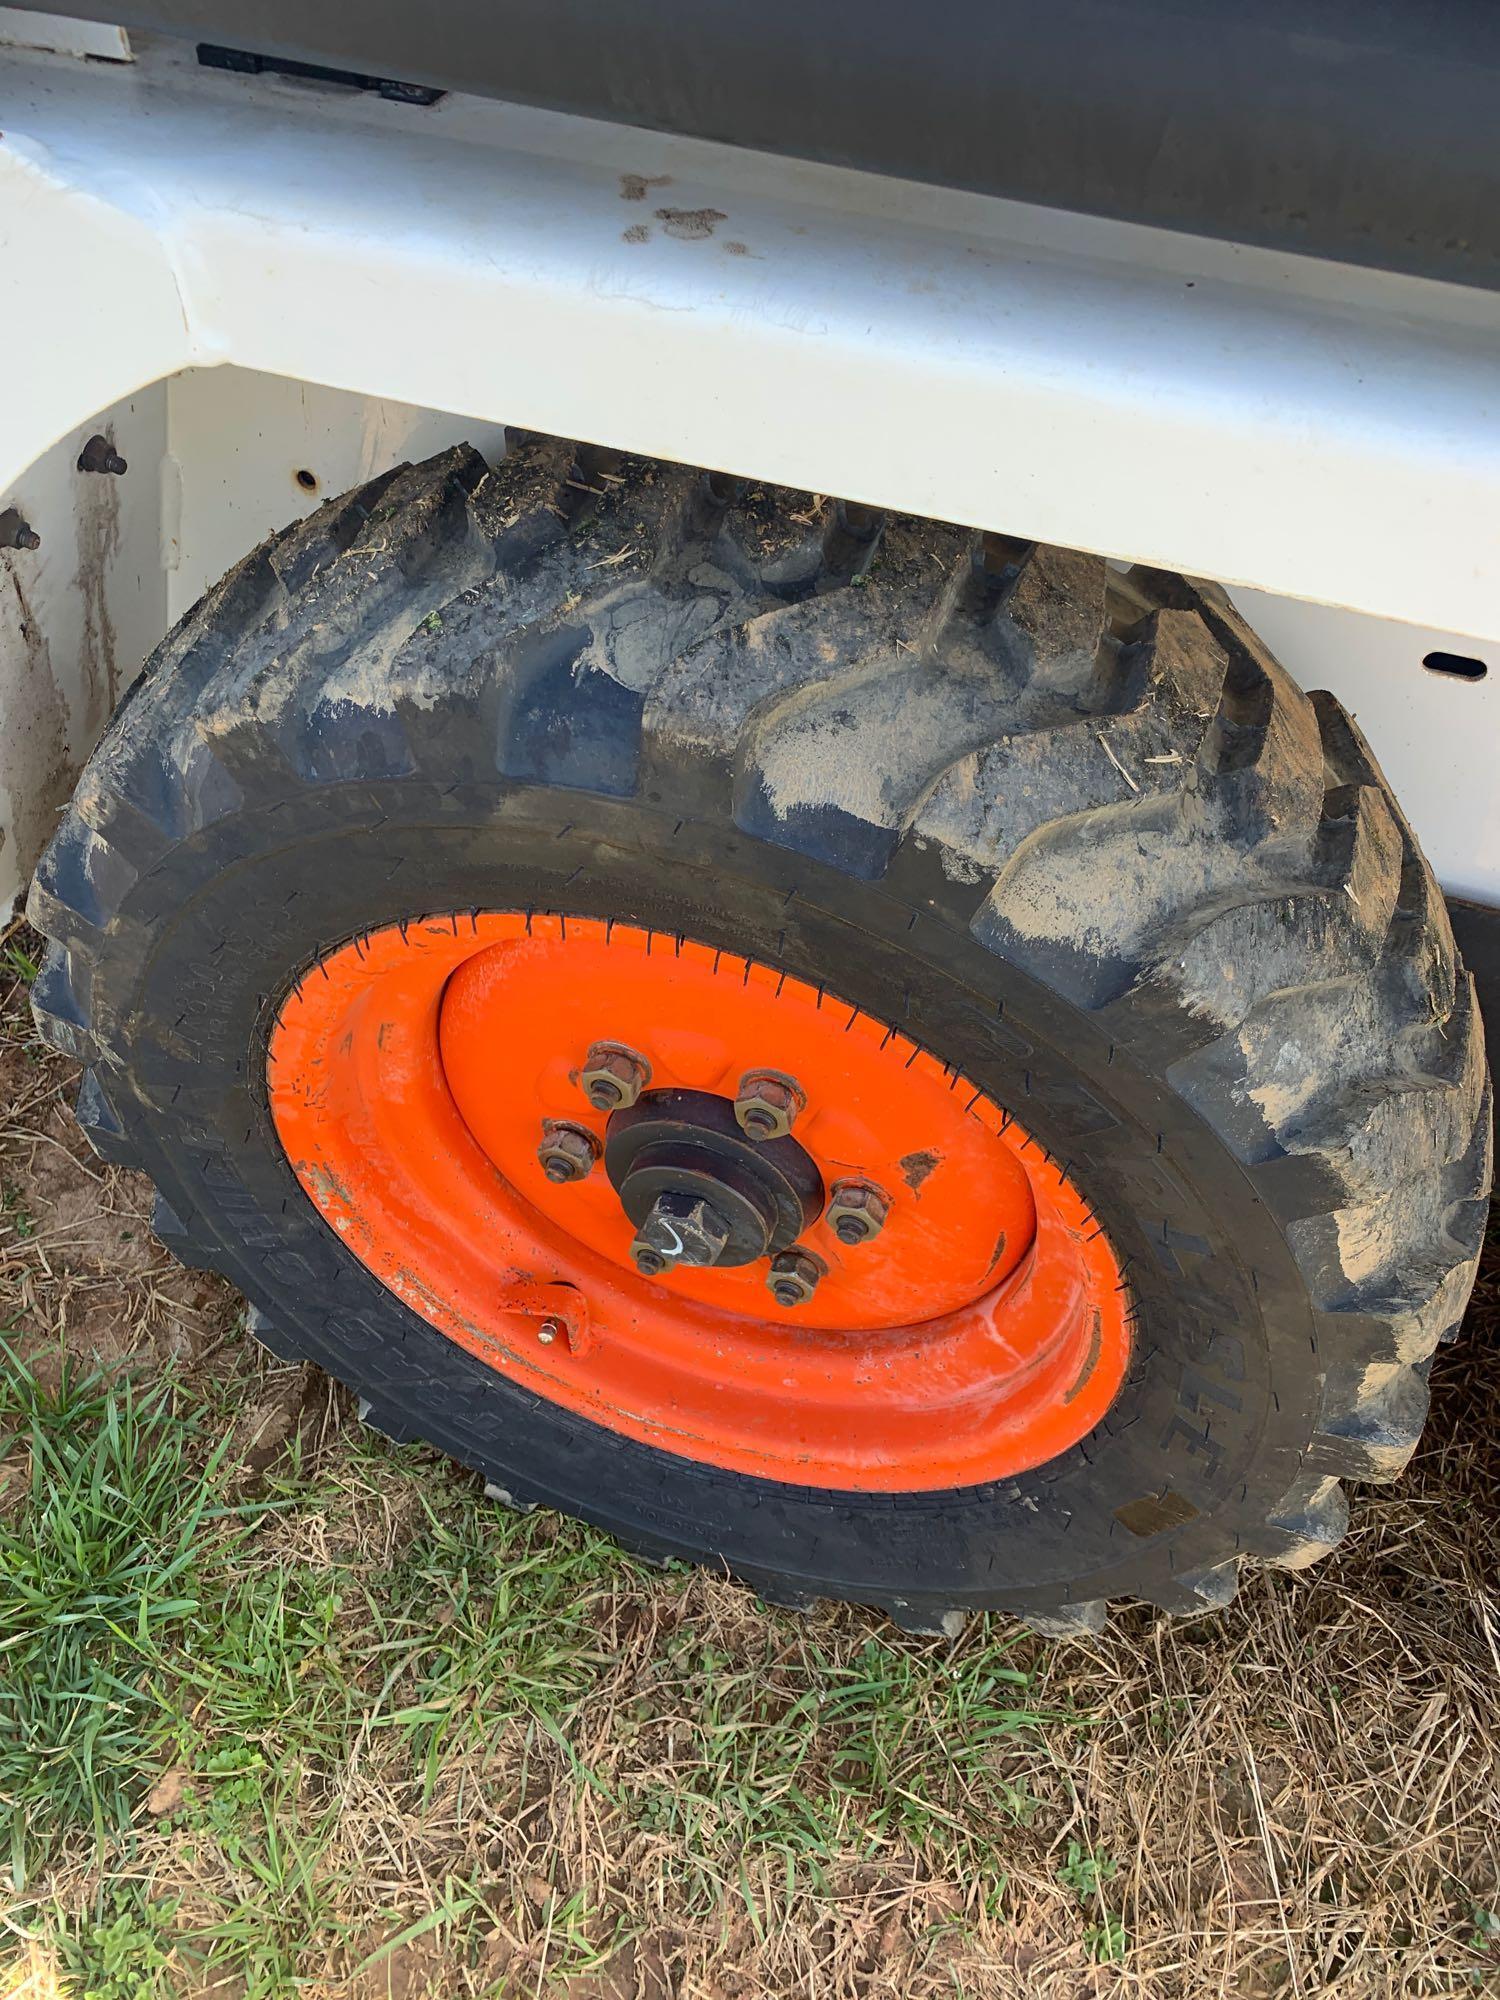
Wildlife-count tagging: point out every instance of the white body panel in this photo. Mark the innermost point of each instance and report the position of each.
(22, 28)
(1300, 431)
(77, 617)
(1437, 739)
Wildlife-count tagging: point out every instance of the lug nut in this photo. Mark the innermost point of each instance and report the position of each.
(856, 1211)
(679, 1229)
(613, 1076)
(567, 1152)
(794, 1277)
(767, 1103)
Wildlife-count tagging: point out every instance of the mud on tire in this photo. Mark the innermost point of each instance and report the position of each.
(1073, 829)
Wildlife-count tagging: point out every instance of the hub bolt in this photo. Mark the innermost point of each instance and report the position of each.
(99, 455)
(767, 1103)
(613, 1076)
(567, 1152)
(856, 1211)
(16, 533)
(679, 1229)
(794, 1277)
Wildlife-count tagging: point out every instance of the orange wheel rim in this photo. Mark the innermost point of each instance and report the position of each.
(413, 1076)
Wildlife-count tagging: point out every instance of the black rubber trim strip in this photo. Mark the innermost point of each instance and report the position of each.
(1363, 130)
(245, 62)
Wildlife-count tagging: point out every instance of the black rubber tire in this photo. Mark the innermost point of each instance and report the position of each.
(1072, 830)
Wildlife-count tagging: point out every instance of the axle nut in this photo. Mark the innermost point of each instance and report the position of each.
(794, 1277)
(613, 1076)
(856, 1211)
(680, 1229)
(767, 1103)
(567, 1152)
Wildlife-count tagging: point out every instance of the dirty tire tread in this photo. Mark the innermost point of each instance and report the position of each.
(1271, 944)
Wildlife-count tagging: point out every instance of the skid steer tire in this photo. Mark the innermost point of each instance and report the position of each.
(1073, 832)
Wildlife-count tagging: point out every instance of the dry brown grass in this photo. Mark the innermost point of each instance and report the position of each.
(1297, 1798)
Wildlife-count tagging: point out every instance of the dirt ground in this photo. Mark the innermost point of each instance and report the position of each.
(361, 1734)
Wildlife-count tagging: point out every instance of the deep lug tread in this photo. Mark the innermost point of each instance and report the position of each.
(1195, 1592)
(782, 1592)
(387, 1421)
(270, 1336)
(1311, 1519)
(80, 881)
(100, 1123)
(927, 1621)
(57, 1007)
(132, 789)
(178, 1236)
(321, 538)
(1372, 1421)
(1086, 1621)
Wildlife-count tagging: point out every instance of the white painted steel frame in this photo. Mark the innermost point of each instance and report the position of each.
(23, 28)
(1301, 430)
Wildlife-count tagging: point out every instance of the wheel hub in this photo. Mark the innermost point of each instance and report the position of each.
(698, 1190)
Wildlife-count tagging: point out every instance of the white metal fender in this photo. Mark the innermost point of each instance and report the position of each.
(1306, 429)
(1300, 431)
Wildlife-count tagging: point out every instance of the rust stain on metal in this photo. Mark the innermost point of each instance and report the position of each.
(1091, 1359)
(633, 186)
(915, 1168)
(36, 761)
(98, 526)
(690, 225)
(326, 1184)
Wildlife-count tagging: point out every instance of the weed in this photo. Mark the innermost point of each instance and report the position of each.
(1106, 1940)
(21, 963)
(1084, 1872)
(125, 1954)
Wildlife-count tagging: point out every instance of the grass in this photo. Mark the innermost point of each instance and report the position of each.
(98, 1574)
(186, 1674)
(288, 1711)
